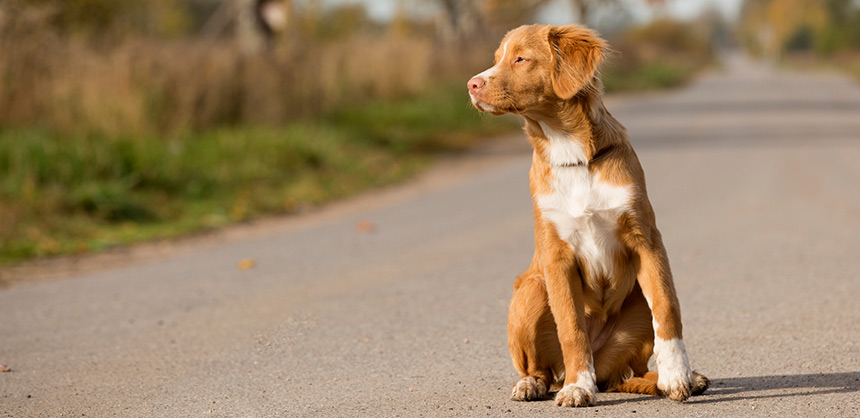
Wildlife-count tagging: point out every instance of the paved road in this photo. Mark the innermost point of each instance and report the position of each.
(755, 179)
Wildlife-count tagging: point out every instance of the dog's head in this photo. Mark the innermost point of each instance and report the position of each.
(536, 65)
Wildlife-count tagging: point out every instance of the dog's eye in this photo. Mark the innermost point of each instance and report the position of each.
(520, 59)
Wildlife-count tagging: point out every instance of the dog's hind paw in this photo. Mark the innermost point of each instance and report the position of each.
(529, 389)
(700, 384)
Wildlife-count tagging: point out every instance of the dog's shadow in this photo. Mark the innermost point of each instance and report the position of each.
(732, 389)
(780, 386)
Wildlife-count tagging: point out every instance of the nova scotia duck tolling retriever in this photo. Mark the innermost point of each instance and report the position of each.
(598, 298)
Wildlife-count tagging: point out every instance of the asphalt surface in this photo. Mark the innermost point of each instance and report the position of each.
(395, 304)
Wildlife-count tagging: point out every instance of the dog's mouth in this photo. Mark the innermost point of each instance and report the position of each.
(491, 108)
(486, 107)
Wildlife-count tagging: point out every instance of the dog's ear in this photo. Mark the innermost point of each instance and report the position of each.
(576, 54)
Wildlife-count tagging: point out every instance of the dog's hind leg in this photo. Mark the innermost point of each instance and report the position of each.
(532, 339)
(621, 362)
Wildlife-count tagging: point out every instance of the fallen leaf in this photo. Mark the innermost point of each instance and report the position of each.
(4, 368)
(247, 263)
(365, 226)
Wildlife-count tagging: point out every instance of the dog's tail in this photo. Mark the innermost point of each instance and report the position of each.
(647, 385)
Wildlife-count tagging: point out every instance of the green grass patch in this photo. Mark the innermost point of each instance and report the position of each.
(62, 194)
(653, 76)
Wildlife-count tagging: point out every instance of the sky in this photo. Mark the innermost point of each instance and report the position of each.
(559, 11)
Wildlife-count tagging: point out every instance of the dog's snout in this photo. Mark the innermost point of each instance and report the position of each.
(475, 84)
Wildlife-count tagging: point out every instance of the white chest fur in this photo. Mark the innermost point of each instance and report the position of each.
(583, 209)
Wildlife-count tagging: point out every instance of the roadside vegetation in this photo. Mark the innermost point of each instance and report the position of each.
(803, 33)
(129, 121)
(84, 192)
(660, 54)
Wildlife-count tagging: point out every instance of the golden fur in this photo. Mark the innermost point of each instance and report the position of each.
(563, 318)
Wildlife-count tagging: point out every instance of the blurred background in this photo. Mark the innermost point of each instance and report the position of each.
(124, 121)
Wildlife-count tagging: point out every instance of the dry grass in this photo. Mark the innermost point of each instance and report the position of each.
(144, 86)
(137, 85)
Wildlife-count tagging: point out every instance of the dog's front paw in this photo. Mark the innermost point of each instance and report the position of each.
(529, 389)
(675, 386)
(576, 395)
(674, 375)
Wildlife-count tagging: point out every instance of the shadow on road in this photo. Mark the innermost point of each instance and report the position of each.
(770, 387)
(734, 389)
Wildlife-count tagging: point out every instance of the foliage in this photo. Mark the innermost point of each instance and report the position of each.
(96, 18)
(649, 77)
(83, 192)
(661, 54)
(773, 27)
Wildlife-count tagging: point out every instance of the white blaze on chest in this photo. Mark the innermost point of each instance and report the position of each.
(583, 209)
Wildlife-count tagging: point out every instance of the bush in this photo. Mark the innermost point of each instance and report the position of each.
(662, 54)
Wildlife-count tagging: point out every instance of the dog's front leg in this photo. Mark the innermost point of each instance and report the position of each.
(564, 288)
(675, 378)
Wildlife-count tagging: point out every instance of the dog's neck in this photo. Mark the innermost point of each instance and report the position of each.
(582, 118)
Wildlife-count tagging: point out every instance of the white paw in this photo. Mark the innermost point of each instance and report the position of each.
(528, 389)
(581, 393)
(674, 375)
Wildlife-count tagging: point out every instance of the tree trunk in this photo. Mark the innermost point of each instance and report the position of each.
(249, 34)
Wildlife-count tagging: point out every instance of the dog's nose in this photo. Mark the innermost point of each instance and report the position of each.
(475, 84)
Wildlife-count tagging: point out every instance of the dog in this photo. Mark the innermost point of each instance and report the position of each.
(598, 298)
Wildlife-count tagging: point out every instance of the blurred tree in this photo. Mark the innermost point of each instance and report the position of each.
(318, 21)
(344, 20)
(586, 10)
(250, 33)
(844, 30)
(311, 17)
(164, 18)
(95, 17)
(791, 18)
(256, 23)
(754, 31)
(718, 28)
(459, 20)
(400, 25)
(505, 14)
(83, 14)
(470, 19)
(772, 27)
